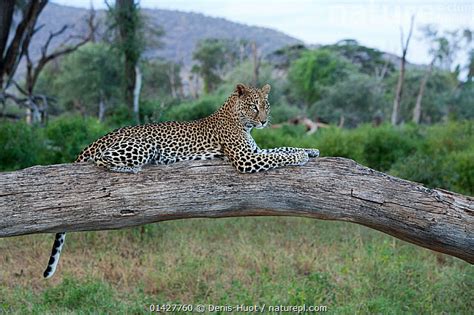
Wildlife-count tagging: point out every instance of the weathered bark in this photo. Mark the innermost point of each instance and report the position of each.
(77, 197)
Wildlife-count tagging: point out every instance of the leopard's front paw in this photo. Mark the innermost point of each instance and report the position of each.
(312, 153)
(302, 157)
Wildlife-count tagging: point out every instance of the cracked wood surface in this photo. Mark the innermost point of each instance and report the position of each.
(81, 197)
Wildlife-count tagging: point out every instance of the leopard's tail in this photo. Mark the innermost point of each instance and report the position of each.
(55, 253)
(84, 156)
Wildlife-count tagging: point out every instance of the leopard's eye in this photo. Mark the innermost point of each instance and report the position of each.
(254, 108)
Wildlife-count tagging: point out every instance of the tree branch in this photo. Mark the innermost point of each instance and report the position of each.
(77, 197)
(34, 72)
(22, 36)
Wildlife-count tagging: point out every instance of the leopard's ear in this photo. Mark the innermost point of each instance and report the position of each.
(266, 89)
(240, 89)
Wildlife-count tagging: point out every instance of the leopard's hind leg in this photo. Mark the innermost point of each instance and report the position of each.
(126, 157)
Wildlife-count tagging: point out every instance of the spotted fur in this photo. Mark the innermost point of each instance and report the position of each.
(224, 134)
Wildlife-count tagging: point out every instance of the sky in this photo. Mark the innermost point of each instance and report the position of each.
(372, 23)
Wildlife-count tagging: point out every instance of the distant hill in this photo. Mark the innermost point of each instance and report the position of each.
(182, 31)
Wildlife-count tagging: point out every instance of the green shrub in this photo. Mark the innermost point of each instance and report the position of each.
(385, 145)
(463, 171)
(444, 159)
(338, 142)
(286, 136)
(21, 145)
(283, 112)
(193, 110)
(119, 116)
(68, 135)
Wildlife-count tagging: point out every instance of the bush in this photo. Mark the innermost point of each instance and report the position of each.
(445, 158)
(68, 135)
(283, 112)
(385, 145)
(21, 145)
(339, 142)
(193, 110)
(463, 171)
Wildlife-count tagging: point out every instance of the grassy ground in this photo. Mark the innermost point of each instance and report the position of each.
(288, 261)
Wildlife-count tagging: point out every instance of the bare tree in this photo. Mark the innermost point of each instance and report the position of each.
(12, 51)
(443, 50)
(401, 77)
(33, 69)
(421, 92)
(256, 63)
(11, 54)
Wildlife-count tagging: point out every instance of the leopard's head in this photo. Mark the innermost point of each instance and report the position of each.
(253, 106)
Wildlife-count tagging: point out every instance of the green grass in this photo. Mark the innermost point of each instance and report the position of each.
(272, 261)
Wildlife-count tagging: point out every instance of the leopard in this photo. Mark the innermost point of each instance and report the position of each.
(225, 134)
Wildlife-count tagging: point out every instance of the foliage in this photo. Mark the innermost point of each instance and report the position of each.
(461, 105)
(161, 79)
(192, 110)
(436, 99)
(214, 57)
(357, 99)
(313, 71)
(21, 145)
(282, 58)
(243, 73)
(68, 135)
(369, 60)
(59, 142)
(445, 46)
(126, 24)
(445, 158)
(437, 156)
(84, 79)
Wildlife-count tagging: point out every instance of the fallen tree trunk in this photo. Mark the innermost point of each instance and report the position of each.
(79, 197)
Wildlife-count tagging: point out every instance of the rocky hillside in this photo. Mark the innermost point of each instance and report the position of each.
(182, 30)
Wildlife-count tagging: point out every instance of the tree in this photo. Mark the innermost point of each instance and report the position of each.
(214, 57)
(315, 70)
(127, 24)
(369, 60)
(88, 79)
(354, 100)
(257, 62)
(470, 66)
(36, 104)
(437, 96)
(443, 50)
(15, 39)
(398, 94)
(162, 79)
(284, 57)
